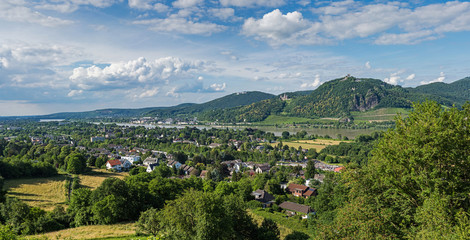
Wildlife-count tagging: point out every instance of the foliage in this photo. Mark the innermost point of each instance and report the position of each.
(310, 171)
(199, 215)
(416, 182)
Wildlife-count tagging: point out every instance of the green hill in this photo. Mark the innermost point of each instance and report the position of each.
(458, 91)
(185, 109)
(339, 98)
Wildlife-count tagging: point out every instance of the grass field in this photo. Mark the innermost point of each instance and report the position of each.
(94, 178)
(318, 144)
(379, 115)
(285, 225)
(116, 231)
(47, 193)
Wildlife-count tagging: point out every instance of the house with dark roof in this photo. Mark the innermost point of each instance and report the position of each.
(299, 190)
(295, 209)
(264, 197)
(262, 168)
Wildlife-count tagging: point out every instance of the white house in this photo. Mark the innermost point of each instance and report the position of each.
(151, 167)
(114, 164)
(131, 158)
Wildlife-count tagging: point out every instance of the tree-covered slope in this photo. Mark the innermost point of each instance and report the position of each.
(458, 91)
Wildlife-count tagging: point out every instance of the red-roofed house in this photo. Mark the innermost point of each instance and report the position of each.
(114, 164)
(299, 190)
(339, 169)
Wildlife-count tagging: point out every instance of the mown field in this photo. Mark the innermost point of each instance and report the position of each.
(116, 231)
(318, 144)
(47, 193)
(379, 115)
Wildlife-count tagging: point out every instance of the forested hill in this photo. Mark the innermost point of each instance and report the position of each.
(186, 109)
(229, 101)
(458, 91)
(338, 98)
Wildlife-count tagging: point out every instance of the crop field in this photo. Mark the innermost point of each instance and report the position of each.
(116, 231)
(379, 115)
(47, 193)
(318, 144)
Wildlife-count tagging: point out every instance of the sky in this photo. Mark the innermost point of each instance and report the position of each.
(79, 55)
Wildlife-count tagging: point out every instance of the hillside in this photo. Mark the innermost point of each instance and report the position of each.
(340, 97)
(185, 109)
(458, 91)
(229, 101)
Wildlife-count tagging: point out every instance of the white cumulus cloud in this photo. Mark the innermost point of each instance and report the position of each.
(441, 78)
(381, 23)
(275, 26)
(139, 72)
(313, 84)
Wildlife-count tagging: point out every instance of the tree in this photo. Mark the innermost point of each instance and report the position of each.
(149, 222)
(76, 163)
(2, 193)
(310, 171)
(416, 179)
(285, 134)
(204, 215)
(268, 230)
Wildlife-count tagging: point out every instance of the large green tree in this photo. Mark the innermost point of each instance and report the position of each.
(417, 182)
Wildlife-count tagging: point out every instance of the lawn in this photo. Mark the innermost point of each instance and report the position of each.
(318, 144)
(286, 225)
(47, 193)
(116, 231)
(379, 115)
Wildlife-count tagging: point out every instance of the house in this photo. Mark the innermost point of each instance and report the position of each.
(126, 164)
(97, 139)
(174, 163)
(150, 160)
(114, 164)
(295, 208)
(131, 158)
(214, 145)
(151, 167)
(299, 190)
(233, 165)
(264, 197)
(338, 169)
(262, 168)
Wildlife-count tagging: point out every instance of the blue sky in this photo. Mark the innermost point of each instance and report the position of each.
(77, 55)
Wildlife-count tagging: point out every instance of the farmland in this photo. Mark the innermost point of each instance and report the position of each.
(47, 193)
(317, 144)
